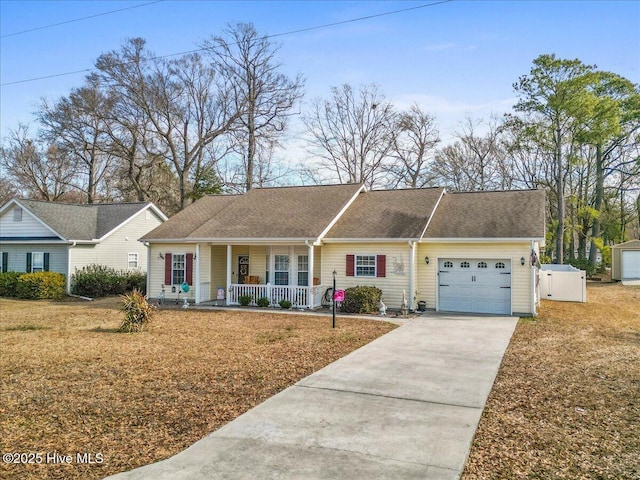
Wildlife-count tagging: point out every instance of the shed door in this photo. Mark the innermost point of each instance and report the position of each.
(630, 264)
(474, 285)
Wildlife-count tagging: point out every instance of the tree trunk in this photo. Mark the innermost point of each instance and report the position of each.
(595, 230)
(560, 187)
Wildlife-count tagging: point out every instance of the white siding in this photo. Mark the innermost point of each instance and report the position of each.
(17, 258)
(397, 269)
(27, 227)
(520, 275)
(155, 270)
(113, 251)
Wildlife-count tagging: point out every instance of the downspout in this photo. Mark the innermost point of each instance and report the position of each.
(412, 285)
(148, 281)
(196, 281)
(73, 244)
(310, 274)
(533, 282)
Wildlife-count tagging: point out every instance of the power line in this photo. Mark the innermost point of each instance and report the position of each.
(291, 32)
(78, 19)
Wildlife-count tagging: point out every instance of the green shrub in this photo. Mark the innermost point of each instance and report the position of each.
(245, 300)
(361, 300)
(101, 281)
(263, 302)
(286, 304)
(9, 284)
(41, 285)
(137, 312)
(584, 264)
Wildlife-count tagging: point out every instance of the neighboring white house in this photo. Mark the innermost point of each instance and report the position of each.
(43, 236)
(465, 252)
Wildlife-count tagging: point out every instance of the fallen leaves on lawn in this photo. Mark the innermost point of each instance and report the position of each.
(72, 384)
(566, 402)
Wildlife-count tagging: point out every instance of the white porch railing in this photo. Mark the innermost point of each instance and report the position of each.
(298, 296)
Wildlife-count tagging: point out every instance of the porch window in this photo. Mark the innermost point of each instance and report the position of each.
(281, 270)
(177, 269)
(303, 270)
(365, 265)
(132, 261)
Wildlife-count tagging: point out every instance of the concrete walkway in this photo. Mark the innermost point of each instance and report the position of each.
(405, 406)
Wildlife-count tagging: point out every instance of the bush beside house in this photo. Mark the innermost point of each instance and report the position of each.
(102, 281)
(32, 286)
(361, 300)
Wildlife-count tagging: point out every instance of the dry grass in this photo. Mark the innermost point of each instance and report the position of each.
(566, 402)
(70, 383)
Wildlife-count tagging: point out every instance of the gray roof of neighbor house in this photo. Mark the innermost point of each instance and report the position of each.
(392, 214)
(493, 214)
(82, 222)
(261, 213)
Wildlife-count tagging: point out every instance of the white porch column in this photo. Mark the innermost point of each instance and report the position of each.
(310, 274)
(197, 275)
(412, 276)
(229, 261)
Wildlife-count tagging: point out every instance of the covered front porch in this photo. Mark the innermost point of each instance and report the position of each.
(223, 273)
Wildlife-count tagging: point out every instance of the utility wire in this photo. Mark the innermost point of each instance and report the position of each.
(291, 32)
(78, 19)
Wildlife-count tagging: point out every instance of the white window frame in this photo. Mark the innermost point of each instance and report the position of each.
(357, 264)
(174, 270)
(39, 268)
(130, 261)
(305, 269)
(278, 261)
(17, 214)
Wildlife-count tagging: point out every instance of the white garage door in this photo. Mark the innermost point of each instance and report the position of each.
(630, 264)
(474, 285)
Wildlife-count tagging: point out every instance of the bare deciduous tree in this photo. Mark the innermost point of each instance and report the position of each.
(414, 142)
(38, 171)
(352, 132)
(263, 94)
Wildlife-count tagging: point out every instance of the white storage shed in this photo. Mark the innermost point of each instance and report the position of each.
(625, 261)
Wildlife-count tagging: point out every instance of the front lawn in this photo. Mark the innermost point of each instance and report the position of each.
(72, 385)
(566, 402)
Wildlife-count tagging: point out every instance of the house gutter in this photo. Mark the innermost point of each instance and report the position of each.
(533, 282)
(71, 245)
(412, 279)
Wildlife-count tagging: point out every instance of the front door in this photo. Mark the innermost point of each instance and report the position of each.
(243, 268)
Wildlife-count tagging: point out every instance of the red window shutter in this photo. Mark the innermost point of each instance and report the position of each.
(351, 261)
(188, 274)
(381, 266)
(167, 269)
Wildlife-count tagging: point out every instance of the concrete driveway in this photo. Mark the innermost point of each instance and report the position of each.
(405, 406)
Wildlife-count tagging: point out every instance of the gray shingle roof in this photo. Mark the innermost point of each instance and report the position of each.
(503, 214)
(82, 222)
(261, 213)
(392, 214)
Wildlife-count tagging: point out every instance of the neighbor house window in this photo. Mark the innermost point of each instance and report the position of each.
(177, 268)
(365, 265)
(281, 269)
(5, 262)
(132, 261)
(37, 262)
(17, 214)
(303, 270)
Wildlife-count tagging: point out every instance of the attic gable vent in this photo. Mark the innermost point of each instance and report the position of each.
(17, 214)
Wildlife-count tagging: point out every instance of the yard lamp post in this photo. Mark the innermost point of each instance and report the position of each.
(333, 302)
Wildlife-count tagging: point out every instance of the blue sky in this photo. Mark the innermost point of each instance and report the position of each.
(454, 58)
